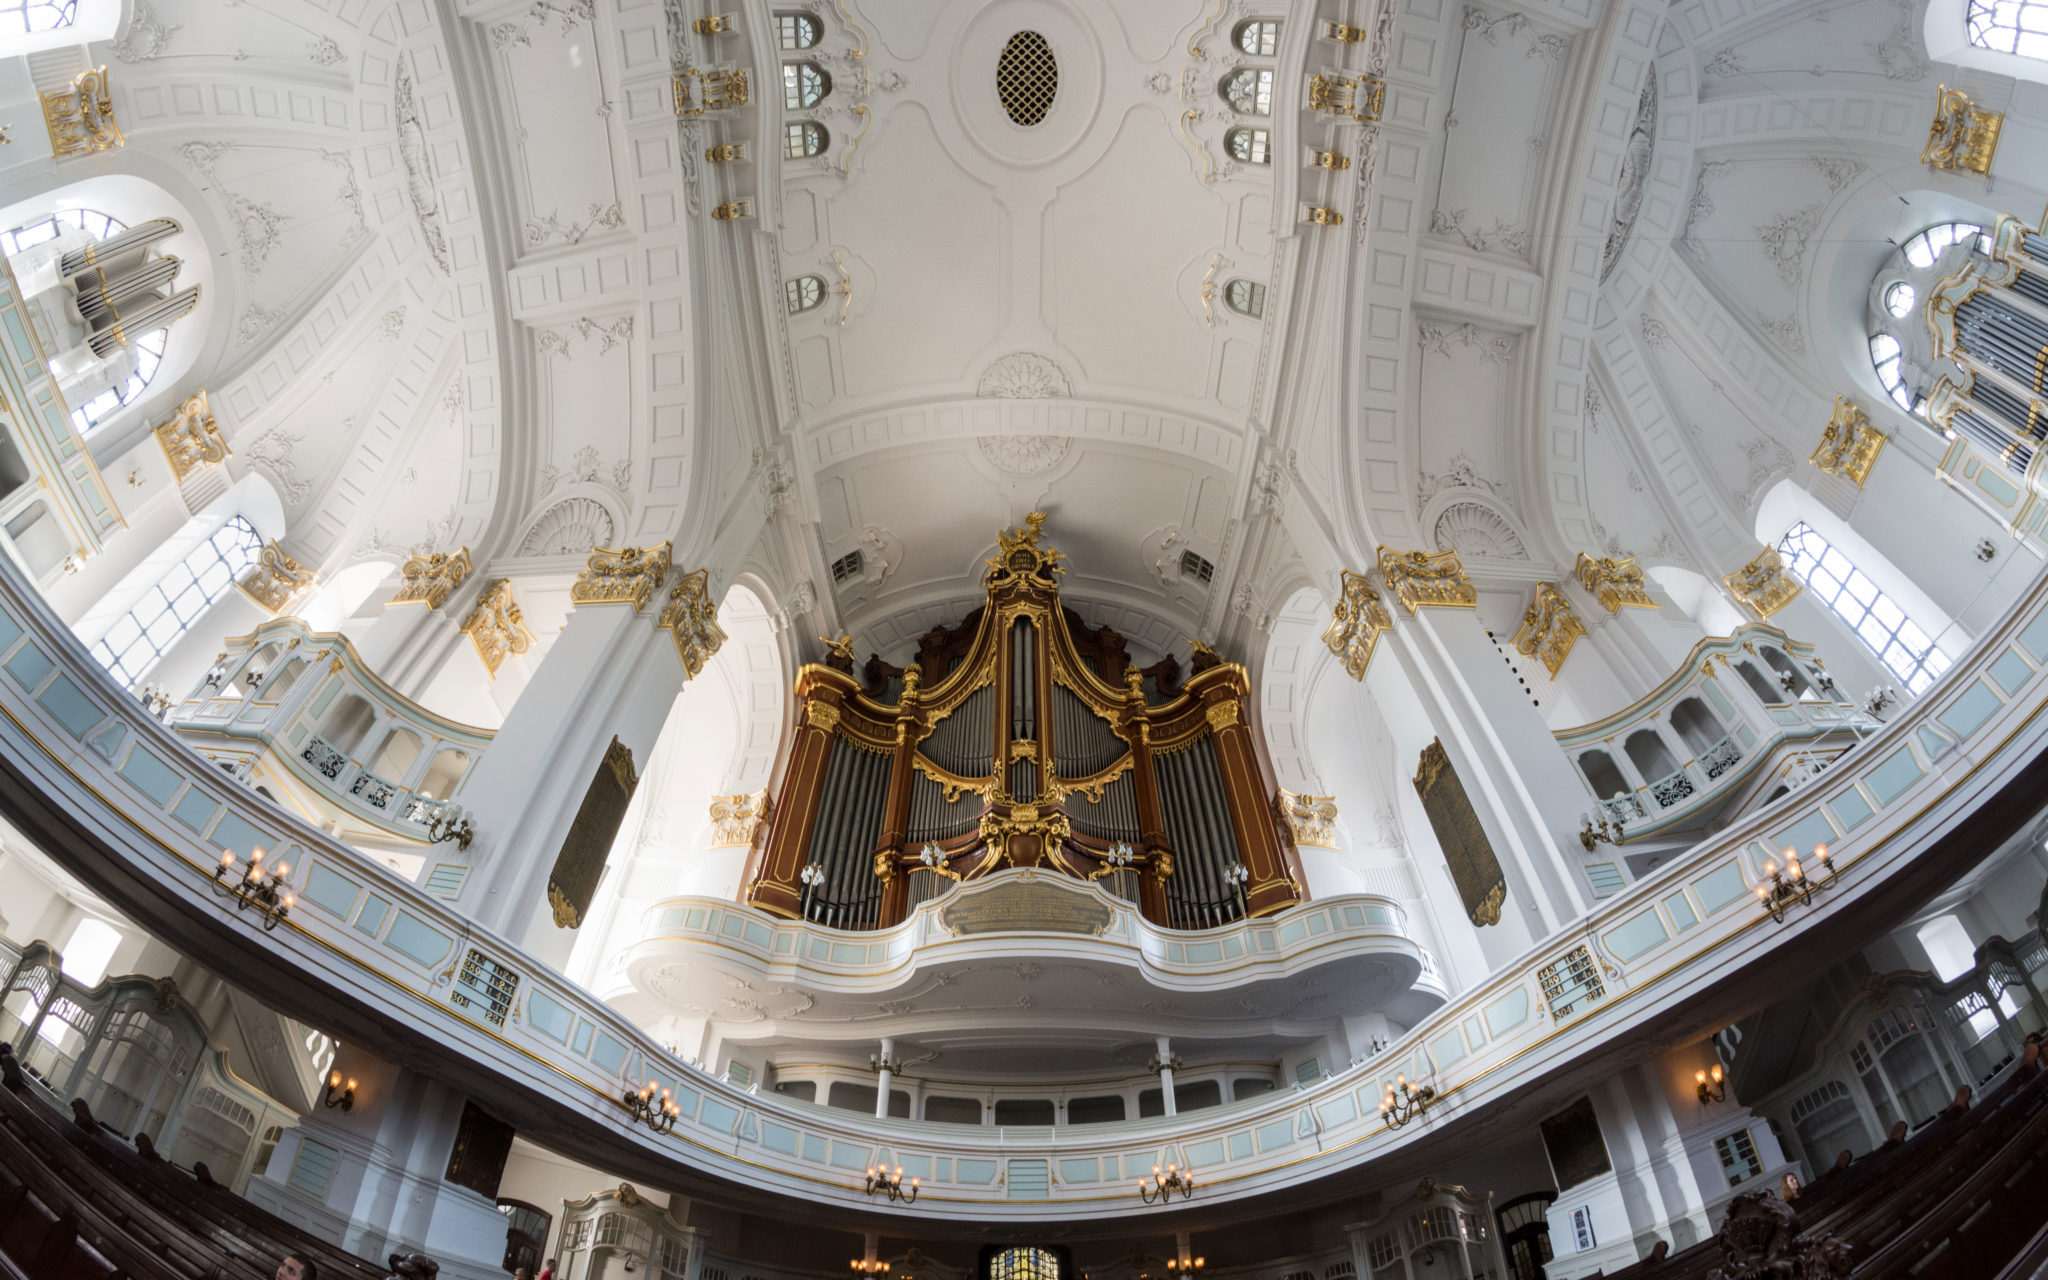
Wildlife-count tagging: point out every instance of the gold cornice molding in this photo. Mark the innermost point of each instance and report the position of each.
(1549, 629)
(1356, 624)
(1419, 579)
(625, 575)
(495, 626)
(431, 578)
(1617, 583)
(1766, 584)
(277, 582)
(191, 439)
(1850, 444)
(691, 618)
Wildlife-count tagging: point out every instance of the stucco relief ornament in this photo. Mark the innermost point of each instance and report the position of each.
(628, 575)
(1419, 579)
(691, 619)
(496, 627)
(1023, 455)
(1765, 584)
(431, 578)
(1356, 624)
(1549, 629)
(1023, 375)
(277, 582)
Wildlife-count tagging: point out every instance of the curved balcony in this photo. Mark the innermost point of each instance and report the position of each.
(1746, 717)
(297, 714)
(1117, 969)
(85, 771)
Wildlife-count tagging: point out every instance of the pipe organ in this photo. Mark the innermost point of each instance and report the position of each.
(1023, 738)
(1991, 321)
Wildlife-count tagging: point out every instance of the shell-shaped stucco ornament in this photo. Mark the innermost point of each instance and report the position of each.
(571, 527)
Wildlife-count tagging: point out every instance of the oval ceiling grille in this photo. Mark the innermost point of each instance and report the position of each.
(1027, 77)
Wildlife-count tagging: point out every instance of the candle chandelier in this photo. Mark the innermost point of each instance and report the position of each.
(656, 1112)
(1790, 885)
(261, 888)
(1404, 1101)
(883, 1180)
(1163, 1184)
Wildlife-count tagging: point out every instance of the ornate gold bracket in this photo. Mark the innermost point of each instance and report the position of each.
(1616, 583)
(1549, 629)
(430, 579)
(1963, 136)
(1850, 444)
(80, 119)
(277, 582)
(691, 619)
(495, 626)
(1356, 624)
(191, 439)
(1765, 584)
(628, 575)
(1419, 579)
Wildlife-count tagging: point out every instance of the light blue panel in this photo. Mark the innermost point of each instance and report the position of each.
(876, 952)
(68, 703)
(686, 1102)
(580, 1042)
(1204, 1155)
(820, 949)
(29, 665)
(2035, 637)
(2011, 671)
(1683, 917)
(1176, 953)
(420, 942)
(1233, 948)
(1265, 941)
(330, 891)
(1747, 734)
(1851, 809)
(783, 942)
(1889, 780)
(1292, 932)
(1475, 1031)
(108, 740)
(1241, 1145)
(1721, 886)
(778, 1139)
(1354, 916)
(1204, 953)
(1316, 924)
(1605, 878)
(605, 1050)
(847, 953)
(297, 736)
(1802, 835)
(1028, 1180)
(445, 880)
(916, 1166)
(1635, 935)
(1508, 1012)
(1340, 1111)
(1719, 699)
(693, 918)
(848, 1155)
(1275, 1135)
(151, 776)
(1379, 916)
(236, 833)
(1933, 741)
(1080, 1171)
(732, 926)
(371, 917)
(1447, 1048)
(195, 809)
(757, 933)
(720, 1118)
(942, 1169)
(1968, 713)
(326, 696)
(549, 1016)
(977, 1173)
(10, 631)
(814, 1149)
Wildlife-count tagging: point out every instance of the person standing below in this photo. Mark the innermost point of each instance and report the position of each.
(547, 1270)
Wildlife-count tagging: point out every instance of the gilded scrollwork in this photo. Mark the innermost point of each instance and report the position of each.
(431, 578)
(1020, 556)
(80, 119)
(1850, 444)
(1549, 629)
(1419, 579)
(1962, 136)
(191, 439)
(1765, 584)
(735, 820)
(1356, 624)
(276, 581)
(494, 625)
(628, 575)
(691, 618)
(1617, 582)
(1312, 820)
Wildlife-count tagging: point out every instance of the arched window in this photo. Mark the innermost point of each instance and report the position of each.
(167, 610)
(804, 85)
(1900, 350)
(147, 350)
(797, 30)
(1259, 37)
(1252, 146)
(2010, 26)
(25, 17)
(803, 293)
(1249, 91)
(1905, 649)
(1245, 298)
(804, 138)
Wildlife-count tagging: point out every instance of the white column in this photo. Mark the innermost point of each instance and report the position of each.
(885, 1071)
(1165, 1045)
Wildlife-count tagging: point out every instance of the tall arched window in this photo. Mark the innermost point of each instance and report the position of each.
(1900, 350)
(804, 85)
(68, 224)
(797, 30)
(1899, 643)
(1260, 37)
(803, 293)
(1251, 146)
(167, 610)
(24, 17)
(1249, 91)
(1245, 297)
(804, 138)
(2010, 26)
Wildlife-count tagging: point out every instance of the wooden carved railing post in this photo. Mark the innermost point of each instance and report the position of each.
(1271, 885)
(774, 885)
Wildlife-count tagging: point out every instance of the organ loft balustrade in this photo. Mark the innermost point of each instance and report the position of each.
(1022, 738)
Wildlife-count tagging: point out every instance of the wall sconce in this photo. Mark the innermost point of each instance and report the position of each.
(869, 1267)
(1790, 885)
(658, 1114)
(1185, 1266)
(1404, 1102)
(889, 1182)
(338, 1095)
(1712, 1088)
(1160, 1187)
(259, 887)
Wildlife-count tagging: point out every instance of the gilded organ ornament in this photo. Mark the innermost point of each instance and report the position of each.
(1765, 584)
(735, 820)
(1549, 629)
(495, 626)
(276, 581)
(1963, 136)
(1362, 98)
(191, 439)
(691, 619)
(1419, 579)
(1850, 444)
(1356, 624)
(1617, 583)
(1019, 557)
(80, 119)
(1311, 820)
(431, 578)
(628, 575)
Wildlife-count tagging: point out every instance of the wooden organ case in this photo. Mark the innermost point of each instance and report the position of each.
(1036, 745)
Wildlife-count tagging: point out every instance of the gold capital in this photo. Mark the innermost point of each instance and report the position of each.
(1549, 629)
(628, 575)
(1356, 624)
(691, 619)
(1418, 578)
(495, 626)
(1850, 444)
(1765, 584)
(431, 578)
(1616, 583)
